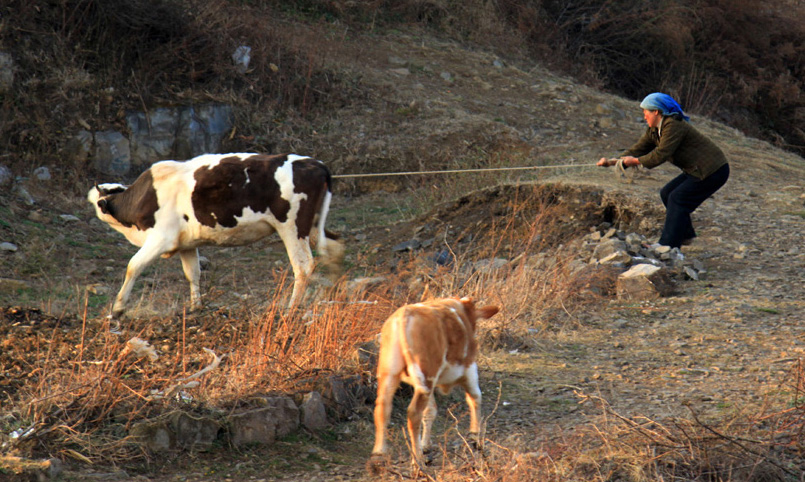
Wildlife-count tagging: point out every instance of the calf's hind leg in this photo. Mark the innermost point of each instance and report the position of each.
(386, 386)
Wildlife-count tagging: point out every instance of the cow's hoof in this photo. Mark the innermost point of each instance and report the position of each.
(475, 441)
(377, 464)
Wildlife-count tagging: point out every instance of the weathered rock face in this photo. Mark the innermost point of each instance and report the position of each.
(278, 418)
(176, 431)
(177, 133)
(163, 133)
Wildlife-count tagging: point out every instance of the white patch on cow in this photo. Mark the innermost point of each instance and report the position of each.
(294, 157)
(284, 177)
(248, 180)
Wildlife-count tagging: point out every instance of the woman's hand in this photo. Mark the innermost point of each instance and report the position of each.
(629, 161)
(604, 162)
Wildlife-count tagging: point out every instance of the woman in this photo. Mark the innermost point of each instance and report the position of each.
(670, 137)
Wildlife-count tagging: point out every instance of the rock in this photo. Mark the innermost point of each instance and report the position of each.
(397, 60)
(241, 58)
(444, 258)
(8, 285)
(314, 414)
(487, 266)
(78, 148)
(6, 176)
(69, 218)
(23, 193)
(343, 394)
(42, 173)
(13, 469)
(635, 241)
(607, 247)
(662, 249)
(38, 217)
(9, 247)
(618, 258)
(410, 245)
(278, 418)
(644, 282)
(177, 430)
(112, 153)
(365, 355)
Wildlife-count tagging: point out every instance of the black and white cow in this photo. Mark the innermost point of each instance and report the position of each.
(225, 200)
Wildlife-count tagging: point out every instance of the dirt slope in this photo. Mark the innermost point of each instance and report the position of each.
(723, 344)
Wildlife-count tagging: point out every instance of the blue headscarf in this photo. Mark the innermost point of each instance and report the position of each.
(663, 103)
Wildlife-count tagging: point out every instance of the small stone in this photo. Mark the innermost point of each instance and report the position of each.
(314, 414)
(10, 247)
(6, 176)
(410, 245)
(38, 217)
(644, 282)
(42, 173)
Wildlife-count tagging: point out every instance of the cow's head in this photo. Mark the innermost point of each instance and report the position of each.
(99, 194)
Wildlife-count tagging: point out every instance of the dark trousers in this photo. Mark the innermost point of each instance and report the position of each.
(681, 197)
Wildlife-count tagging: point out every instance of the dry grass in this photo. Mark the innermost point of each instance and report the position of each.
(86, 387)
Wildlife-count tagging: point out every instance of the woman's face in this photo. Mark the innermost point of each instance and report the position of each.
(652, 117)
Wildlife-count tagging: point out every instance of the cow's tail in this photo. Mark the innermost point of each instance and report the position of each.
(329, 246)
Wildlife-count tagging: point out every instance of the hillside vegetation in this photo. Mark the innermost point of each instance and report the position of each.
(81, 63)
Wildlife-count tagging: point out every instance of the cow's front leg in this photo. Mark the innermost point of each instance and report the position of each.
(192, 271)
(144, 257)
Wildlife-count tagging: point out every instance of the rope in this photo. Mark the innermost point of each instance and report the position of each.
(456, 171)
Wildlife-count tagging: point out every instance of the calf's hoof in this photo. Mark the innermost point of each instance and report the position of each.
(428, 454)
(377, 464)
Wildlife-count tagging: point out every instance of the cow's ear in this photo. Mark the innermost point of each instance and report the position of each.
(487, 311)
(102, 204)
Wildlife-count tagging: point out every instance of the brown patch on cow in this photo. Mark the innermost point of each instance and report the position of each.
(223, 191)
(135, 206)
(309, 175)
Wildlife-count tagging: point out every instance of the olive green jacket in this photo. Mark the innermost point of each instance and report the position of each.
(682, 145)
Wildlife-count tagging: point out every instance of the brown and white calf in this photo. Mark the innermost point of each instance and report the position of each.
(428, 345)
(225, 200)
